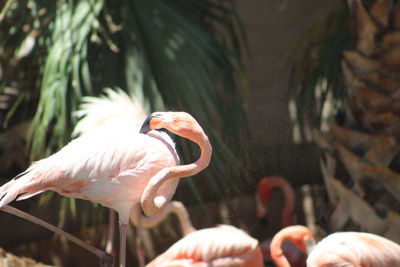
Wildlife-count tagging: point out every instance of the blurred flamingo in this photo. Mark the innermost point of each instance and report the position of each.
(264, 191)
(296, 257)
(223, 245)
(117, 168)
(338, 249)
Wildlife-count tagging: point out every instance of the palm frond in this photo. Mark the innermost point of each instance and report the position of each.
(64, 79)
(181, 55)
(184, 67)
(316, 84)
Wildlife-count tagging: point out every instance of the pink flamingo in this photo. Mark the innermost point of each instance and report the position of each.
(295, 257)
(223, 245)
(117, 170)
(338, 249)
(263, 194)
(115, 111)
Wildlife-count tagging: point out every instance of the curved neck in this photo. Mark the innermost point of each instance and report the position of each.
(277, 253)
(201, 163)
(139, 220)
(276, 249)
(299, 235)
(150, 205)
(288, 193)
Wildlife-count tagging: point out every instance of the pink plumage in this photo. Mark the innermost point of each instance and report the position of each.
(341, 249)
(111, 169)
(355, 249)
(115, 162)
(223, 245)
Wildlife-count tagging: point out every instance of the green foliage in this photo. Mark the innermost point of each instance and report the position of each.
(66, 75)
(316, 83)
(176, 54)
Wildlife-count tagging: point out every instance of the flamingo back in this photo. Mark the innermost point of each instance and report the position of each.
(355, 249)
(219, 246)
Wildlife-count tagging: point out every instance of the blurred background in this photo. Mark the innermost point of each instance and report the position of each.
(306, 90)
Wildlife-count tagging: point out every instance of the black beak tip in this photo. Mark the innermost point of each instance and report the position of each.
(146, 125)
(145, 129)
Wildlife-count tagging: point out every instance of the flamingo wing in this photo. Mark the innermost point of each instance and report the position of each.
(219, 246)
(354, 249)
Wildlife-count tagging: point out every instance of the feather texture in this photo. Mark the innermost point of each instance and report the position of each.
(114, 111)
(355, 249)
(109, 163)
(115, 163)
(219, 246)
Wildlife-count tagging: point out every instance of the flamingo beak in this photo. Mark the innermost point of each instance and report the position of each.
(146, 125)
(261, 210)
(149, 123)
(155, 121)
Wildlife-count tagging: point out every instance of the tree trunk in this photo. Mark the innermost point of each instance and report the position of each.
(360, 155)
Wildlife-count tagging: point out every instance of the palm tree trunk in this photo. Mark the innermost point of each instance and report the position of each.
(360, 154)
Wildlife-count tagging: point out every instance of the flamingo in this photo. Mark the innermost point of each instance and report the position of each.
(263, 194)
(350, 249)
(295, 257)
(114, 111)
(117, 168)
(224, 245)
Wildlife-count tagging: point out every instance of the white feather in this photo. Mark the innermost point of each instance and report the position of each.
(113, 111)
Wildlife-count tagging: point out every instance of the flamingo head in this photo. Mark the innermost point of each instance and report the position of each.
(263, 195)
(179, 123)
(301, 237)
(183, 125)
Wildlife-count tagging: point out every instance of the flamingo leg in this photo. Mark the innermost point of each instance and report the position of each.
(106, 260)
(123, 225)
(111, 231)
(140, 253)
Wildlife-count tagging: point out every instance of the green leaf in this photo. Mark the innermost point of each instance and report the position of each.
(316, 84)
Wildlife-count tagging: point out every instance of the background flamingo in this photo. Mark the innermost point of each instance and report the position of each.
(295, 256)
(117, 169)
(223, 245)
(264, 191)
(337, 249)
(298, 235)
